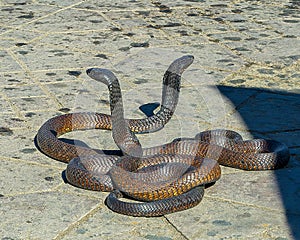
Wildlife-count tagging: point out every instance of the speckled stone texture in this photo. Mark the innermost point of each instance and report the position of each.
(245, 77)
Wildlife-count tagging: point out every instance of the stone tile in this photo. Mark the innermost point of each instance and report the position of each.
(123, 227)
(186, 36)
(146, 38)
(93, 43)
(20, 145)
(57, 76)
(244, 77)
(11, 120)
(202, 20)
(63, 3)
(94, 138)
(263, 107)
(7, 63)
(64, 88)
(87, 101)
(235, 97)
(290, 137)
(260, 15)
(288, 27)
(139, 61)
(269, 111)
(198, 76)
(268, 50)
(45, 217)
(28, 104)
(62, 21)
(15, 15)
(47, 57)
(127, 19)
(214, 56)
(17, 38)
(266, 77)
(115, 6)
(273, 191)
(35, 119)
(213, 219)
(266, 32)
(30, 177)
(5, 107)
(227, 37)
(11, 79)
(161, 58)
(26, 91)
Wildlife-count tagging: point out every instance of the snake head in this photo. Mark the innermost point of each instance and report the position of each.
(102, 75)
(179, 65)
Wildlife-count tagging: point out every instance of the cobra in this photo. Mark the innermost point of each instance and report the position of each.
(166, 178)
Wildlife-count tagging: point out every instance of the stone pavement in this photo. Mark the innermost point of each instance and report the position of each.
(245, 77)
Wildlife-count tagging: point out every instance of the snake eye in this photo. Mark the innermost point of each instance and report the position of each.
(88, 71)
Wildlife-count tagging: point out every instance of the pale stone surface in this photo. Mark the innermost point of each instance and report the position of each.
(245, 77)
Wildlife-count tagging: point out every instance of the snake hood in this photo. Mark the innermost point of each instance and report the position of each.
(102, 75)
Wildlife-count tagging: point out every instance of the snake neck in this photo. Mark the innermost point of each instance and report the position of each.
(170, 91)
(122, 135)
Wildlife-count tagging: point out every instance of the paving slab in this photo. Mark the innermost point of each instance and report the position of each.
(245, 77)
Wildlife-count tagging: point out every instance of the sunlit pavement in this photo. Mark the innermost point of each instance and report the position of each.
(245, 77)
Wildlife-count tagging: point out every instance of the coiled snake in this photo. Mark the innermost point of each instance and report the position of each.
(165, 178)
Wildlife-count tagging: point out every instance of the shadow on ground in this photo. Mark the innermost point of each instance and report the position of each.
(275, 115)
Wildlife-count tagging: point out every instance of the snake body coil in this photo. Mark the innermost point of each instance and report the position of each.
(166, 178)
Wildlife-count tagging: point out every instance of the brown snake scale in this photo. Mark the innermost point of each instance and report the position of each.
(166, 178)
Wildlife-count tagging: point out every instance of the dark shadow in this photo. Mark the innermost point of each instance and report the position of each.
(148, 108)
(275, 115)
(64, 177)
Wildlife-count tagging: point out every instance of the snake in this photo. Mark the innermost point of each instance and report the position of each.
(157, 180)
